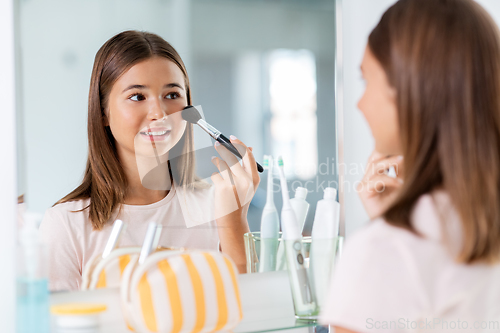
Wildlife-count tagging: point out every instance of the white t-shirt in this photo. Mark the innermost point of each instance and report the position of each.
(390, 280)
(72, 242)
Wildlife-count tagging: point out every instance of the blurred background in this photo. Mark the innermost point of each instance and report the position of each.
(263, 70)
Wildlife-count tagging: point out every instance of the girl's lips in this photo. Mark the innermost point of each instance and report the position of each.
(155, 134)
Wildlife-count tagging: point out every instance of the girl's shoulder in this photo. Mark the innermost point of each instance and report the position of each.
(73, 205)
(73, 214)
(430, 213)
(70, 207)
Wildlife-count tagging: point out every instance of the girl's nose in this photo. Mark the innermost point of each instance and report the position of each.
(157, 111)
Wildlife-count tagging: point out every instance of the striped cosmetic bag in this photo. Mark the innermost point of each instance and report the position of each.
(192, 291)
(107, 272)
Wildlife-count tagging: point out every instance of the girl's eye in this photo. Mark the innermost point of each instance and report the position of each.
(137, 97)
(173, 95)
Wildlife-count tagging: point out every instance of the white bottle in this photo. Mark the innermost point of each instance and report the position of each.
(324, 243)
(300, 206)
(32, 280)
(270, 224)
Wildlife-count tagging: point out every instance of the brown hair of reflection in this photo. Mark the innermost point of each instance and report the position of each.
(443, 59)
(104, 182)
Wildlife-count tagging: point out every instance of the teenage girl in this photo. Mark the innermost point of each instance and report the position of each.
(138, 87)
(429, 259)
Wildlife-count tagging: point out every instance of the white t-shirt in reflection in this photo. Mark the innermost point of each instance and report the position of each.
(72, 242)
(390, 280)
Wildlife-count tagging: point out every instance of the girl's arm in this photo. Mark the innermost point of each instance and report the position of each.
(59, 239)
(235, 187)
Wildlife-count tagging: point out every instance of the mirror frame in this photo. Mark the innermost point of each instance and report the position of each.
(8, 179)
(8, 188)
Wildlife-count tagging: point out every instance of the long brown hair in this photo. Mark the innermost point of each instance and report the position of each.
(443, 59)
(104, 182)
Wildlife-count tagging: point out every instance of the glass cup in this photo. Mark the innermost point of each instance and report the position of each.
(266, 251)
(319, 258)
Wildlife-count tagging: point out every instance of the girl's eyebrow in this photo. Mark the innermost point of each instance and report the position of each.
(134, 86)
(171, 85)
(140, 86)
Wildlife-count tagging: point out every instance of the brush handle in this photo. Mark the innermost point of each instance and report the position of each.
(114, 237)
(227, 143)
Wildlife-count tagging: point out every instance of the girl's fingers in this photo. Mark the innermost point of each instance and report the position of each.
(216, 163)
(226, 176)
(375, 156)
(240, 146)
(380, 183)
(249, 163)
(382, 166)
(230, 159)
(217, 179)
(223, 168)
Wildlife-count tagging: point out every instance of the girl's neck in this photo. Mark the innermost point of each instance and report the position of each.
(148, 180)
(144, 196)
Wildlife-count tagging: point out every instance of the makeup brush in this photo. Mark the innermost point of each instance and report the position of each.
(192, 115)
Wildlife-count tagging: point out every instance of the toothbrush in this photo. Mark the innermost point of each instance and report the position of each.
(270, 224)
(151, 241)
(303, 297)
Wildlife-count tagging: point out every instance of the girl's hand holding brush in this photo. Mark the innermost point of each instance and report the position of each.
(235, 186)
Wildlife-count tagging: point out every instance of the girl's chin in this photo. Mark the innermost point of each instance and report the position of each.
(160, 149)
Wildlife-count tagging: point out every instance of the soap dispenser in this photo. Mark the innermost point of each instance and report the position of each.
(32, 292)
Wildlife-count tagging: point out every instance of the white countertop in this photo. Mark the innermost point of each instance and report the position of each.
(266, 300)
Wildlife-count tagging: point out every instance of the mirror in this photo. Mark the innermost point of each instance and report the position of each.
(262, 70)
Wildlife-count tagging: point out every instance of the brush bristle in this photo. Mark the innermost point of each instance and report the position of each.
(265, 163)
(191, 114)
(280, 161)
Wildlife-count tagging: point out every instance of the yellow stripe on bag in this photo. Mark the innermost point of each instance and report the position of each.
(221, 295)
(130, 328)
(148, 311)
(101, 283)
(198, 292)
(123, 262)
(173, 293)
(235, 284)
